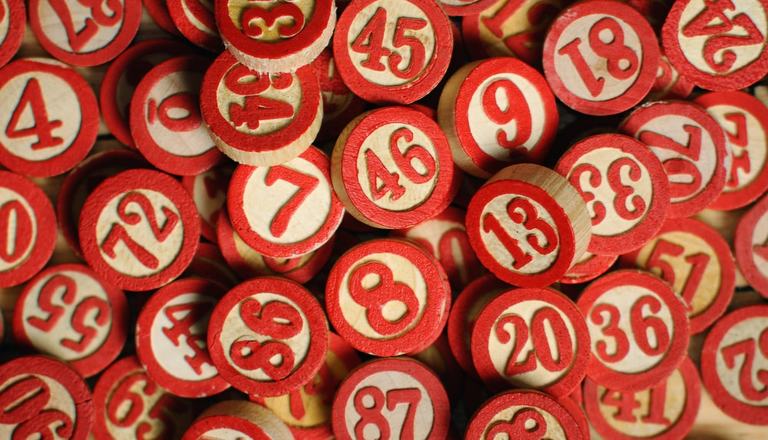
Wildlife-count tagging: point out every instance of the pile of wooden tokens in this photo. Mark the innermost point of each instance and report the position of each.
(383, 219)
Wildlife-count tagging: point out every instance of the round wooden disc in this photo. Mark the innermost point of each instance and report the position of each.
(622, 309)
(60, 325)
(263, 318)
(29, 224)
(122, 77)
(171, 338)
(369, 47)
(528, 225)
(388, 297)
(12, 23)
(588, 267)
(751, 246)
(732, 359)
(495, 112)
(392, 168)
(600, 57)
(340, 105)
(275, 37)
(128, 404)
(139, 229)
(43, 397)
(524, 414)
(165, 118)
(258, 118)
(670, 84)
(625, 188)
(194, 19)
(691, 146)
(375, 393)
(50, 116)
(287, 210)
(744, 120)
(718, 45)
(665, 411)
(84, 33)
(511, 348)
(209, 192)
(237, 419)
(697, 262)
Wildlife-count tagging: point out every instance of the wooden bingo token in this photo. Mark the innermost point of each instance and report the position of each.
(718, 45)
(195, 20)
(171, 338)
(460, 8)
(510, 28)
(128, 404)
(665, 411)
(67, 312)
(139, 229)
(237, 419)
(697, 262)
(588, 267)
(511, 346)
(12, 21)
(82, 180)
(670, 84)
(165, 118)
(744, 120)
(84, 33)
(392, 51)
(495, 112)
(43, 398)
(277, 37)
(732, 361)
(260, 118)
(637, 351)
(209, 192)
(445, 237)
(287, 210)
(340, 105)
(122, 77)
(528, 225)
(625, 188)
(308, 408)
(388, 297)
(263, 318)
(248, 263)
(600, 57)
(524, 414)
(50, 117)
(691, 146)
(27, 229)
(392, 168)
(378, 392)
(751, 246)
(464, 311)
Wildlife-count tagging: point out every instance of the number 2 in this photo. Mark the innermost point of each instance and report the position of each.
(747, 349)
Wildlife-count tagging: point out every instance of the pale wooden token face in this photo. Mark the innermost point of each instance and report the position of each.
(623, 298)
(404, 272)
(175, 127)
(137, 389)
(552, 428)
(385, 381)
(235, 329)
(697, 256)
(265, 201)
(540, 261)
(379, 143)
(290, 14)
(566, 70)
(500, 352)
(13, 255)
(673, 126)
(164, 251)
(499, 24)
(55, 24)
(603, 159)
(172, 355)
(50, 341)
(209, 194)
(394, 12)
(693, 47)
(60, 400)
(5, 20)
(29, 94)
(674, 405)
(749, 329)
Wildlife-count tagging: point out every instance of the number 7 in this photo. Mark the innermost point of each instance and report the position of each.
(410, 397)
(304, 183)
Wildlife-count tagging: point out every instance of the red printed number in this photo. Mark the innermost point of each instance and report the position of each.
(256, 108)
(698, 263)
(15, 231)
(285, 15)
(370, 41)
(526, 424)
(626, 403)
(371, 415)
(524, 44)
(32, 98)
(738, 138)
(126, 407)
(375, 298)
(102, 13)
(23, 404)
(183, 317)
(513, 111)
(185, 103)
(304, 184)
(679, 166)
(624, 191)
(746, 350)
(390, 182)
